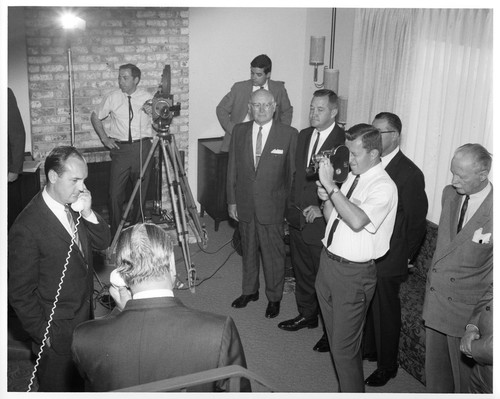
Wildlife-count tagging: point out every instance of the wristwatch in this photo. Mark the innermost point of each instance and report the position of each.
(335, 190)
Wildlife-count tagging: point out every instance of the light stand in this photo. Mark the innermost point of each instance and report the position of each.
(71, 97)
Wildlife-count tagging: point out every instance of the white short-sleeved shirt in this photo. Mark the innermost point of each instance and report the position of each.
(376, 194)
(115, 105)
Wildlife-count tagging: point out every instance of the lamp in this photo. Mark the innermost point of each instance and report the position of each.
(71, 22)
(317, 54)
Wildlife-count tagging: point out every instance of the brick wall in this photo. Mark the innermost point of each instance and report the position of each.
(147, 37)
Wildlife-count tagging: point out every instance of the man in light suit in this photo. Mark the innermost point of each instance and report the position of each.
(233, 108)
(39, 243)
(383, 324)
(259, 176)
(155, 336)
(303, 214)
(462, 268)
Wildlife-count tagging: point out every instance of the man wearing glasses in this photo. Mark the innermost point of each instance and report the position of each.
(259, 176)
(233, 108)
(383, 323)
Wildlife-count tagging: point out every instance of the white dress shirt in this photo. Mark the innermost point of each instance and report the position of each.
(265, 133)
(323, 135)
(475, 201)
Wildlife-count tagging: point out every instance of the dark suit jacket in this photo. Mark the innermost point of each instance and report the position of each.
(38, 247)
(461, 269)
(233, 108)
(410, 225)
(154, 339)
(262, 192)
(304, 190)
(17, 136)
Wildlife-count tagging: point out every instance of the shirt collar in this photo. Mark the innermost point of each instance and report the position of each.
(53, 205)
(160, 293)
(386, 159)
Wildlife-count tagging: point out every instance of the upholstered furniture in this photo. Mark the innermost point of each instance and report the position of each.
(412, 340)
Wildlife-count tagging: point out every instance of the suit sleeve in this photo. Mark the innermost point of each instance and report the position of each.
(285, 108)
(415, 206)
(99, 234)
(482, 348)
(224, 109)
(23, 261)
(232, 353)
(231, 172)
(16, 136)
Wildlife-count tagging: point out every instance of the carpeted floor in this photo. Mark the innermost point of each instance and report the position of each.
(285, 359)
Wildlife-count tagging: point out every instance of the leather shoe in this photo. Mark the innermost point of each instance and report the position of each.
(322, 345)
(380, 376)
(273, 309)
(298, 323)
(243, 300)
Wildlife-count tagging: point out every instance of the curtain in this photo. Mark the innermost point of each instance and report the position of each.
(433, 68)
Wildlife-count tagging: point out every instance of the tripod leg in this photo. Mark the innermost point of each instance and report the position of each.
(134, 192)
(190, 203)
(179, 215)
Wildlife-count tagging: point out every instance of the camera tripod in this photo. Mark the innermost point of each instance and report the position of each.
(180, 195)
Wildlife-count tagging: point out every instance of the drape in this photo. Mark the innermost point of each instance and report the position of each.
(433, 68)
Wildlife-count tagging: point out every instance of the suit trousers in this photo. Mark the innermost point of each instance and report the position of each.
(305, 262)
(58, 373)
(269, 239)
(344, 293)
(383, 322)
(447, 370)
(126, 165)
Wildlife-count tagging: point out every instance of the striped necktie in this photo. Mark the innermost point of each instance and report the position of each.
(258, 147)
(73, 227)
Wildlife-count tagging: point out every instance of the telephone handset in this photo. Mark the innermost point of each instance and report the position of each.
(116, 279)
(78, 205)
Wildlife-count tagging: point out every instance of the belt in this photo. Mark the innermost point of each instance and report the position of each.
(133, 141)
(344, 260)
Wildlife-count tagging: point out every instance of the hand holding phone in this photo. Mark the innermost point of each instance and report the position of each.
(116, 279)
(83, 203)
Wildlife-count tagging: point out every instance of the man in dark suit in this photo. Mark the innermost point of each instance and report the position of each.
(41, 251)
(155, 336)
(383, 324)
(307, 225)
(233, 108)
(461, 271)
(15, 156)
(259, 176)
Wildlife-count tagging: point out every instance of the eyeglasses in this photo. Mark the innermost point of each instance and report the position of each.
(388, 131)
(266, 107)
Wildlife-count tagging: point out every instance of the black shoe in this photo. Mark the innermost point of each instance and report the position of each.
(322, 345)
(273, 309)
(243, 300)
(298, 323)
(371, 357)
(380, 376)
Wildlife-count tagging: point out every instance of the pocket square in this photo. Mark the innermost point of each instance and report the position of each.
(480, 238)
(277, 151)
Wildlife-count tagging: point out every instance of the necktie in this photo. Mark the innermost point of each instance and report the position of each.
(258, 147)
(315, 146)
(336, 221)
(73, 227)
(130, 117)
(462, 214)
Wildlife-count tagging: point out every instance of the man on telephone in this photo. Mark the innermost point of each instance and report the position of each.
(40, 239)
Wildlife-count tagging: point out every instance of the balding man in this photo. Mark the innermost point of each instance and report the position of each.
(259, 177)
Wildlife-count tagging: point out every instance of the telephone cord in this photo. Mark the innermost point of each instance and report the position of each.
(45, 336)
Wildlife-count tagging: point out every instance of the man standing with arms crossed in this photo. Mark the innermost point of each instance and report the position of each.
(307, 225)
(360, 220)
(383, 323)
